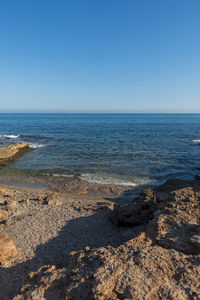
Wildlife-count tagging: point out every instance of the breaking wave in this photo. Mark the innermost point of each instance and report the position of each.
(35, 145)
(10, 136)
(114, 180)
(196, 141)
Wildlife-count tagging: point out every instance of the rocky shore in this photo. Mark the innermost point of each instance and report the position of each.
(13, 151)
(94, 245)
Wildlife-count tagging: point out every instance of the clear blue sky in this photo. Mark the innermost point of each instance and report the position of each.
(100, 55)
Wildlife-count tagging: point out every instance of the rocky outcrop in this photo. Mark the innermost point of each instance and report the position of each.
(135, 270)
(13, 151)
(176, 222)
(140, 211)
(160, 263)
(7, 248)
(172, 216)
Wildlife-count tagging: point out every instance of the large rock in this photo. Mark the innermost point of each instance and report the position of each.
(13, 151)
(7, 248)
(140, 211)
(176, 223)
(172, 213)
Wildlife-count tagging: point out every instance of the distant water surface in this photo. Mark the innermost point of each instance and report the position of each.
(127, 149)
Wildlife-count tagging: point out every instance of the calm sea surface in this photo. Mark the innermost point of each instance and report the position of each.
(107, 148)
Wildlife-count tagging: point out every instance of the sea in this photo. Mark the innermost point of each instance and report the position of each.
(121, 149)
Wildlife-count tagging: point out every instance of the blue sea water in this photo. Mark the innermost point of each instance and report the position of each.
(127, 149)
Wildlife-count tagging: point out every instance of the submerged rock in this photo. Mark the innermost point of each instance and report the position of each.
(7, 248)
(13, 151)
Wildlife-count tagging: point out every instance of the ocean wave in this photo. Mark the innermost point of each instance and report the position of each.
(196, 141)
(10, 136)
(60, 175)
(113, 180)
(35, 145)
(24, 139)
(104, 179)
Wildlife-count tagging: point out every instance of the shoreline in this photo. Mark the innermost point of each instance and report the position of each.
(72, 184)
(75, 220)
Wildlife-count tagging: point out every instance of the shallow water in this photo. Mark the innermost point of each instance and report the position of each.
(127, 149)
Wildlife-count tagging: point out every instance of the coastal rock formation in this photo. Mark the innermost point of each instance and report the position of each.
(140, 211)
(161, 262)
(134, 270)
(13, 151)
(7, 248)
(176, 222)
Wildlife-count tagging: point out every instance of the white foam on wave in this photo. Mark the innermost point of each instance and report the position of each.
(35, 145)
(60, 175)
(112, 180)
(196, 141)
(103, 179)
(9, 136)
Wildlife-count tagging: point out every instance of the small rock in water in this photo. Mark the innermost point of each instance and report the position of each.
(13, 151)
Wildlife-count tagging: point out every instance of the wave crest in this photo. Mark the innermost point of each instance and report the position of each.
(35, 145)
(10, 136)
(113, 180)
(196, 141)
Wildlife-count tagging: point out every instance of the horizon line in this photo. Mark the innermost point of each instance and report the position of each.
(92, 112)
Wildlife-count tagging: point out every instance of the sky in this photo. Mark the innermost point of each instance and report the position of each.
(100, 56)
